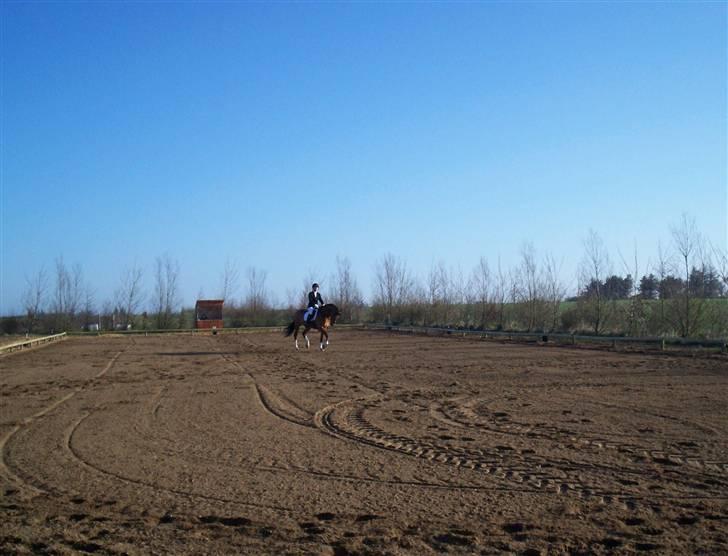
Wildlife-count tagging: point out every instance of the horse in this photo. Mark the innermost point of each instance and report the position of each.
(325, 318)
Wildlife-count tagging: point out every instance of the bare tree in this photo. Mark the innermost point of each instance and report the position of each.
(60, 297)
(417, 304)
(293, 299)
(457, 300)
(500, 294)
(432, 294)
(61, 292)
(663, 268)
(530, 287)
(166, 292)
(720, 316)
(106, 316)
(635, 313)
(438, 294)
(595, 267)
(128, 296)
(689, 246)
(345, 291)
(256, 298)
(88, 313)
(446, 293)
(480, 286)
(34, 297)
(68, 293)
(77, 288)
(393, 285)
(229, 280)
(721, 264)
(554, 289)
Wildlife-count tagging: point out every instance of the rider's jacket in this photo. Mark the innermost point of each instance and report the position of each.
(314, 299)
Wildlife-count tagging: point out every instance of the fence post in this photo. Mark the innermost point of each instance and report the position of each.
(662, 345)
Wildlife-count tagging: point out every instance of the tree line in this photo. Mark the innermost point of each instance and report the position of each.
(683, 291)
(62, 299)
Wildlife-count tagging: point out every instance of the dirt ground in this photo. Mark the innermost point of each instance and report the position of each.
(384, 443)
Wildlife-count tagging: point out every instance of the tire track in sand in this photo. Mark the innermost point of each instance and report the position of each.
(345, 420)
(68, 446)
(6, 467)
(673, 457)
(276, 404)
(282, 408)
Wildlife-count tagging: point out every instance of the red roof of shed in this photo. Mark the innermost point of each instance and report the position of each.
(209, 303)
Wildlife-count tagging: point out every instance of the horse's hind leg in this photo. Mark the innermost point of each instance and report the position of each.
(295, 336)
(305, 336)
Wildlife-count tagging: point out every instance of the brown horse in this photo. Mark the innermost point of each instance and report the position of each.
(325, 318)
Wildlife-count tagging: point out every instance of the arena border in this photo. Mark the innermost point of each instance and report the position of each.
(614, 342)
(31, 343)
(196, 331)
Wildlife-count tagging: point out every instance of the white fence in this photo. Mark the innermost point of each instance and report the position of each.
(31, 342)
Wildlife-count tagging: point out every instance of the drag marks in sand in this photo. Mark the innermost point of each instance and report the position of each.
(15, 473)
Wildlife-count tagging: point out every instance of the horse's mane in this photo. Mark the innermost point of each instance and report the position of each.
(329, 309)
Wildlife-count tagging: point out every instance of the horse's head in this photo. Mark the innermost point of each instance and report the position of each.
(331, 311)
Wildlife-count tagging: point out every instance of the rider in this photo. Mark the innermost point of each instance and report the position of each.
(314, 302)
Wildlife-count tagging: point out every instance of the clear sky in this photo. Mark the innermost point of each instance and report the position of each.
(280, 135)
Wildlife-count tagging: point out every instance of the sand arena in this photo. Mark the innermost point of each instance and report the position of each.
(384, 443)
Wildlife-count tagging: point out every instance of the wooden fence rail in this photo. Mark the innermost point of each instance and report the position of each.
(573, 339)
(31, 342)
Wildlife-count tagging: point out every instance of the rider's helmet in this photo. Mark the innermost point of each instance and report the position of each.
(314, 286)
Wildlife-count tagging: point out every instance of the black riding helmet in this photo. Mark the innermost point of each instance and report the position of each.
(315, 285)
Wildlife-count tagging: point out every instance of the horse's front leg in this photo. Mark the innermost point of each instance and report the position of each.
(324, 344)
(295, 336)
(305, 336)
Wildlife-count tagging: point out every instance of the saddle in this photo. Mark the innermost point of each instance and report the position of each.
(312, 316)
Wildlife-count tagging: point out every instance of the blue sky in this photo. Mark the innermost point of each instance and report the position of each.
(280, 135)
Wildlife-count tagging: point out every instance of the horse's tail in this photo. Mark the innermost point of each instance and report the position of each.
(290, 328)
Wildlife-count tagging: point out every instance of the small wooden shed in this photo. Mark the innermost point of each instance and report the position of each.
(208, 313)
